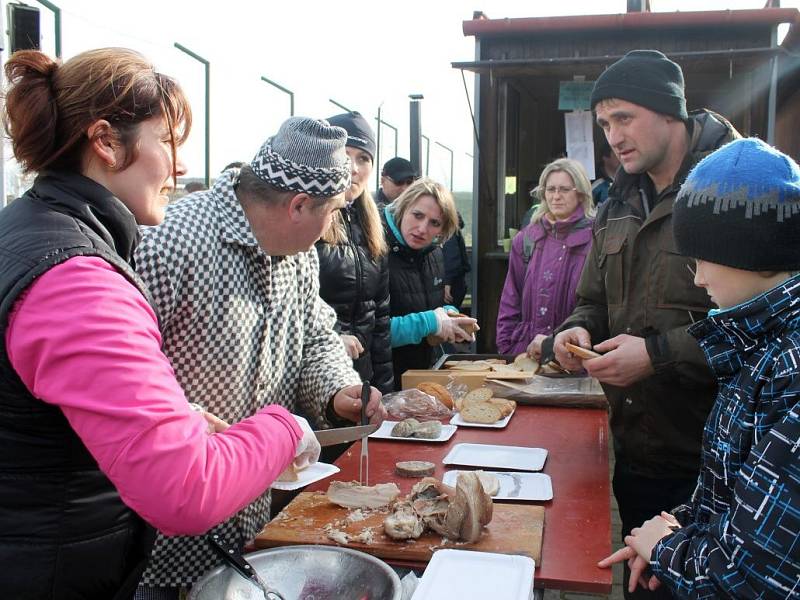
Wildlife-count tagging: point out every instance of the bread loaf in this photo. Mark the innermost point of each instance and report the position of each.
(438, 391)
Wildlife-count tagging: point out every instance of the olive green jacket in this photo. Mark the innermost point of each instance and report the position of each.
(635, 282)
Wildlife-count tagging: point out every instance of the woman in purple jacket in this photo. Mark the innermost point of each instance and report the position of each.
(546, 259)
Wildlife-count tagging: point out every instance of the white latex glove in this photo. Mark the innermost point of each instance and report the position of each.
(352, 346)
(450, 328)
(308, 448)
(215, 424)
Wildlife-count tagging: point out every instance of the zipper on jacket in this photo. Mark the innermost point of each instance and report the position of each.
(357, 265)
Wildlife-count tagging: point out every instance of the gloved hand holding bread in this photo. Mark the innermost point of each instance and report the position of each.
(452, 326)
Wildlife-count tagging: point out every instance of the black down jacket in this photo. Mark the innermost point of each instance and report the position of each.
(416, 284)
(357, 287)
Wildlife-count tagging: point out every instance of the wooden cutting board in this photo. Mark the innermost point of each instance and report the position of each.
(514, 529)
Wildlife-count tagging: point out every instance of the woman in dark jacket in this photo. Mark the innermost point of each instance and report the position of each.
(416, 224)
(353, 269)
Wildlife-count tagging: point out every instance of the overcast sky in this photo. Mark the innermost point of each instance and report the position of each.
(360, 54)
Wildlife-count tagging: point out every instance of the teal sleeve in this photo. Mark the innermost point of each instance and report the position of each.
(412, 328)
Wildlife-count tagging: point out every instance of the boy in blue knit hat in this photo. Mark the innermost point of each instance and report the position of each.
(738, 216)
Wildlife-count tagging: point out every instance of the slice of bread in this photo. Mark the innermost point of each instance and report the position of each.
(582, 353)
(523, 362)
(481, 412)
(414, 468)
(481, 394)
(289, 475)
(472, 365)
(506, 406)
(468, 327)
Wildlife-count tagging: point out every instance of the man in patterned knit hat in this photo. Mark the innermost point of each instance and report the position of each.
(235, 278)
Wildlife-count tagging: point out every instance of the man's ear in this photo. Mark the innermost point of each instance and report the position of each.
(299, 206)
(102, 143)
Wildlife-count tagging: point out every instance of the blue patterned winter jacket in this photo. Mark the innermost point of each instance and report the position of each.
(741, 531)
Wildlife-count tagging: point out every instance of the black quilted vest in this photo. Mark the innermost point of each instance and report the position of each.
(64, 531)
(416, 284)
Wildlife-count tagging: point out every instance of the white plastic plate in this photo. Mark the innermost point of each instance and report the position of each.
(519, 458)
(307, 476)
(514, 485)
(384, 432)
(457, 420)
(470, 575)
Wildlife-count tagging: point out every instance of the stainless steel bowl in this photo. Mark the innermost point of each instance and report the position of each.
(305, 573)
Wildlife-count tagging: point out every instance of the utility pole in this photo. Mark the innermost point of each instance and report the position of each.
(207, 66)
(415, 131)
(285, 91)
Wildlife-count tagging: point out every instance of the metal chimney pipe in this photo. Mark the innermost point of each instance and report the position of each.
(639, 6)
(415, 131)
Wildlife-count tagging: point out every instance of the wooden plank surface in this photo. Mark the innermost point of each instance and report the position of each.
(514, 529)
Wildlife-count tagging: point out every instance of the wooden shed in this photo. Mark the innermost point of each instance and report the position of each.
(732, 64)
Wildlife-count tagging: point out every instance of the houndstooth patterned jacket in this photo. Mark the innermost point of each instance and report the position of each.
(242, 330)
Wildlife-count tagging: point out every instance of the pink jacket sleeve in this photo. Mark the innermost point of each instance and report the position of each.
(83, 338)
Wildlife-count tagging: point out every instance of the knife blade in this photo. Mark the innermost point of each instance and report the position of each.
(341, 435)
(363, 462)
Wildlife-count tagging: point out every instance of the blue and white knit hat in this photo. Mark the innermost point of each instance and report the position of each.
(740, 207)
(306, 155)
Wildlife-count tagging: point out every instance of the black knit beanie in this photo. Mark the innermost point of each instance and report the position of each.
(359, 133)
(644, 77)
(740, 207)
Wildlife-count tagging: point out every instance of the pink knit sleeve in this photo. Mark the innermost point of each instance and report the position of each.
(83, 338)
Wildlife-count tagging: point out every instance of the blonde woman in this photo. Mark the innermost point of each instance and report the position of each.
(353, 271)
(546, 260)
(417, 223)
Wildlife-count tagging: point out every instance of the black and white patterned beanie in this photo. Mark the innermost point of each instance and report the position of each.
(740, 207)
(306, 155)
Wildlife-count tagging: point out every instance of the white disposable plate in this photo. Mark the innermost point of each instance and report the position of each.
(520, 458)
(470, 575)
(514, 485)
(307, 476)
(384, 432)
(457, 420)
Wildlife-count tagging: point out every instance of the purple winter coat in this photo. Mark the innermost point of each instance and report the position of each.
(538, 298)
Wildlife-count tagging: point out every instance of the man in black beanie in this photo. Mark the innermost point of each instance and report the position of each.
(636, 296)
(397, 174)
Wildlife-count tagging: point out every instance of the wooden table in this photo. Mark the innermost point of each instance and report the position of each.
(577, 526)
